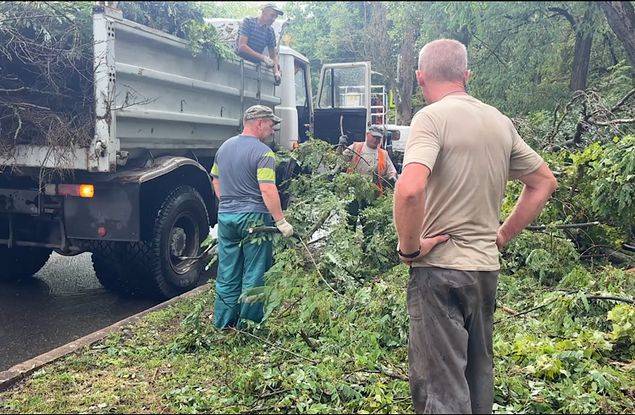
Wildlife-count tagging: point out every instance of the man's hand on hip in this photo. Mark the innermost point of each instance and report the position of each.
(284, 227)
(425, 246)
(501, 239)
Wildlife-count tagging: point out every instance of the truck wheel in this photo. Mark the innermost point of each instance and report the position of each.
(181, 224)
(21, 262)
(110, 269)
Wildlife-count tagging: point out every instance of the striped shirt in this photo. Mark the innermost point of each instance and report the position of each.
(258, 37)
(240, 165)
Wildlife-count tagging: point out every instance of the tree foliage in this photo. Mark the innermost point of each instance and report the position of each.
(523, 55)
(336, 309)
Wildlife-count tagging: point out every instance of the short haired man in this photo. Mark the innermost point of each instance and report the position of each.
(244, 180)
(256, 34)
(458, 158)
(368, 158)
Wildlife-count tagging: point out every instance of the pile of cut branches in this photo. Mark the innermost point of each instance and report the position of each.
(336, 329)
(336, 322)
(45, 74)
(46, 65)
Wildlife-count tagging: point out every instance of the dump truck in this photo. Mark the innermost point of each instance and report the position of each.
(139, 195)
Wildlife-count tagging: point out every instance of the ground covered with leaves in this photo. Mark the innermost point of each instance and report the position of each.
(336, 328)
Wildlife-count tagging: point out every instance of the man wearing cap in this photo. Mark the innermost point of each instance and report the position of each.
(244, 181)
(368, 158)
(256, 34)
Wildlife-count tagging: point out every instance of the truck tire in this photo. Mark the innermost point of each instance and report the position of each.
(180, 226)
(21, 262)
(110, 269)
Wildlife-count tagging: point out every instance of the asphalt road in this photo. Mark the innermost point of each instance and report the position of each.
(61, 303)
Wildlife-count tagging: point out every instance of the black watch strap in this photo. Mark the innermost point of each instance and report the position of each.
(409, 256)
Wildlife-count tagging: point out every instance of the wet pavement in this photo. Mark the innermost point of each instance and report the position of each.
(61, 303)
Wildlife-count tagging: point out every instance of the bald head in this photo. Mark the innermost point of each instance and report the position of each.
(443, 60)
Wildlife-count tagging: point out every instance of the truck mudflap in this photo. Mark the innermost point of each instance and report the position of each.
(32, 219)
(111, 214)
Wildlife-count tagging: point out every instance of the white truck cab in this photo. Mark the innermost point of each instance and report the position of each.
(296, 100)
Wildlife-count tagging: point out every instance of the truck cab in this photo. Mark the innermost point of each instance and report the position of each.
(296, 99)
(351, 97)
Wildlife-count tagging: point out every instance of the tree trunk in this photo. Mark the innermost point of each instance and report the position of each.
(581, 57)
(621, 17)
(582, 51)
(406, 74)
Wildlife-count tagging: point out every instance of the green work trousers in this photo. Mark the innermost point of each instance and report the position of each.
(243, 260)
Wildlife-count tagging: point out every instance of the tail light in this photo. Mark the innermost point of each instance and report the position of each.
(76, 190)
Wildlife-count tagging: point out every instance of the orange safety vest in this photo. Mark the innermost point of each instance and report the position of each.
(381, 162)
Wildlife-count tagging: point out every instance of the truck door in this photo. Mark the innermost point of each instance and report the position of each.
(343, 102)
(303, 99)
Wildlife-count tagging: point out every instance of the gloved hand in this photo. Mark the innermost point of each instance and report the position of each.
(267, 60)
(284, 227)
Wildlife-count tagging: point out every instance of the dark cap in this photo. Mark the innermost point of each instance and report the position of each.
(273, 7)
(376, 132)
(260, 111)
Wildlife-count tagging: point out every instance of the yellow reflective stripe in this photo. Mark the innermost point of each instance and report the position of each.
(266, 174)
(270, 154)
(215, 169)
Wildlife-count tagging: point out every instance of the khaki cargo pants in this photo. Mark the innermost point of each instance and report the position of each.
(450, 344)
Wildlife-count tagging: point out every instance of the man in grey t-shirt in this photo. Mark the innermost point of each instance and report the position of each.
(244, 181)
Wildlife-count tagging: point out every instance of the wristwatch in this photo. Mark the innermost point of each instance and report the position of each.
(409, 256)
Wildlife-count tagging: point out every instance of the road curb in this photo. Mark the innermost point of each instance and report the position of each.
(11, 376)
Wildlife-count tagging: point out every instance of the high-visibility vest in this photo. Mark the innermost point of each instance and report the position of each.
(381, 162)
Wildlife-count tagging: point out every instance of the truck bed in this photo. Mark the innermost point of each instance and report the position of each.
(153, 96)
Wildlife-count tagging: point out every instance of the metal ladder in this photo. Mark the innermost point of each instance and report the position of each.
(378, 112)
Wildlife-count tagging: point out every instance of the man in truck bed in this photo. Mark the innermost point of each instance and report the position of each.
(256, 34)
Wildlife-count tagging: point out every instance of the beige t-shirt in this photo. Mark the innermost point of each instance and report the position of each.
(471, 150)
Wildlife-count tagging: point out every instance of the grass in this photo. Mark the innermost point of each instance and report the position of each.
(355, 359)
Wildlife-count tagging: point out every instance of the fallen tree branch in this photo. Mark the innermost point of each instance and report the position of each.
(619, 256)
(387, 373)
(566, 110)
(309, 342)
(623, 100)
(613, 122)
(524, 312)
(564, 226)
(592, 109)
(274, 346)
(553, 300)
(507, 309)
(317, 268)
(318, 224)
(610, 298)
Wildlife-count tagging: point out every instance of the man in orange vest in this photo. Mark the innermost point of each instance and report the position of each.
(368, 158)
